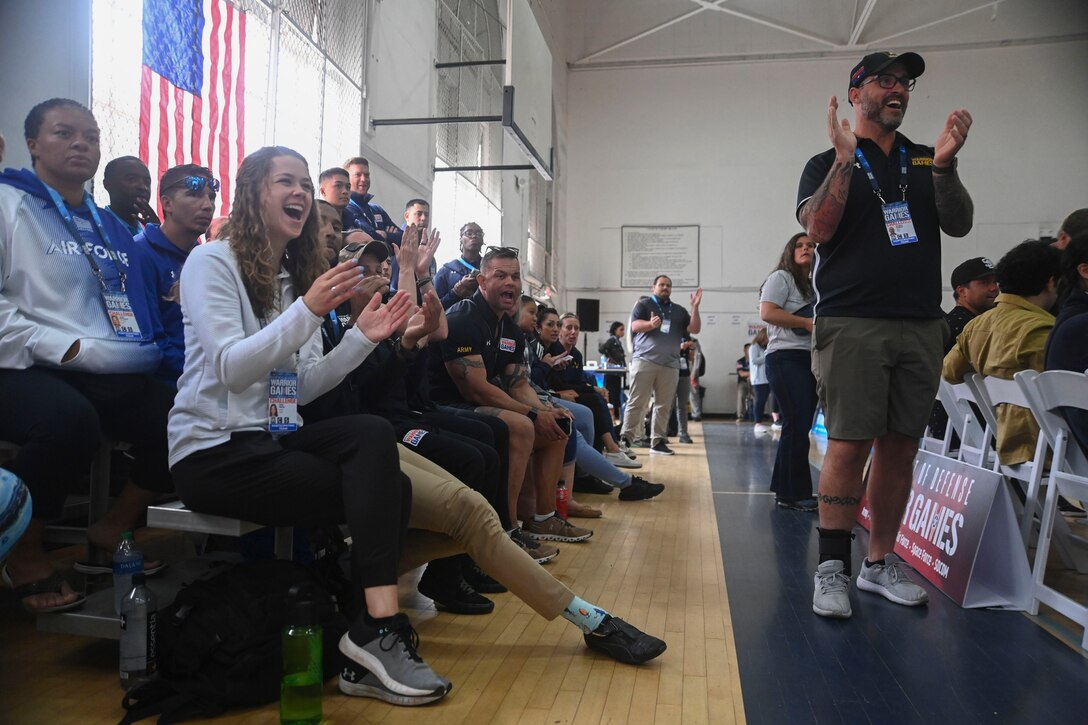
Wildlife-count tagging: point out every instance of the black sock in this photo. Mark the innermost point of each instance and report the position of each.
(835, 544)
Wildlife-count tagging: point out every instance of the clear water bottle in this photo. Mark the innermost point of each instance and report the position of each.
(139, 633)
(127, 560)
(300, 687)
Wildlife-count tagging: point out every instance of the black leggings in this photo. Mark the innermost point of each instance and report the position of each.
(58, 419)
(341, 469)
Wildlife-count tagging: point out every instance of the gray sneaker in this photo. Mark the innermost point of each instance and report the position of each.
(831, 597)
(542, 553)
(358, 682)
(389, 653)
(891, 580)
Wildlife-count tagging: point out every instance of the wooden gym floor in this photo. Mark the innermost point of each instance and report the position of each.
(657, 564)
(663, 565)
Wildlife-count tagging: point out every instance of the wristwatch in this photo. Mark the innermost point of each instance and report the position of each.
(532, 414)
(944, 170)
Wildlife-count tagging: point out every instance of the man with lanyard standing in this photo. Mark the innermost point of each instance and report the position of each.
(660, 325)
(128, 182)
(78, 327)
(187, 194)
(879, 331)
(456, 280)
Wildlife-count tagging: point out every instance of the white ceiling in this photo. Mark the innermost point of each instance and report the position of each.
(617, 33)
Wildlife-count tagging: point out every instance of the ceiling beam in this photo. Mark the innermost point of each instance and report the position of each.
(651, 31)
(766, 23)
(862, 20)
(885, 39)
(839, 53)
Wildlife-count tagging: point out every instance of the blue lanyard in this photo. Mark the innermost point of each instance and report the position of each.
(660, 308)
(872, 179)
(468, 266)
(70, 222)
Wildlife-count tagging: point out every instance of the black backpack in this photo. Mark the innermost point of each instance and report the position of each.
(219, 643)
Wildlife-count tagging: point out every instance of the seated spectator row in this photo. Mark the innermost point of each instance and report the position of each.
(207, 358)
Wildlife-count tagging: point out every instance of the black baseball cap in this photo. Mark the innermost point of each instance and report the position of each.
(874, 63)
(972, 269)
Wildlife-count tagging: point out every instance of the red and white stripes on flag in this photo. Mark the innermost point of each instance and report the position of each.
(178, 126)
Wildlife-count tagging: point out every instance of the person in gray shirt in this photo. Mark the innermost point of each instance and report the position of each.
(659, 326)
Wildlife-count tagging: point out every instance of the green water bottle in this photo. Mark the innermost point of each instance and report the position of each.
(302, 682)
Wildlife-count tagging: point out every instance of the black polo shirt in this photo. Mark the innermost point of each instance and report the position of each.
(474, 329)
(858, 273)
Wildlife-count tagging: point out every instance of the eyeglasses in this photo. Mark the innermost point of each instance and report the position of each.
(473, 233)
(196, 183)
(501, 251)
(887, 81)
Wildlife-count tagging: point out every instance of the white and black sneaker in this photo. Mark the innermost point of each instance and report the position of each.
(360, 682)
(659, 448)
(389, 653)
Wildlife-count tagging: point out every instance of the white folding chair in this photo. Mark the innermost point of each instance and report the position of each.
(989, 393)
(957, 400)
(1047, 393)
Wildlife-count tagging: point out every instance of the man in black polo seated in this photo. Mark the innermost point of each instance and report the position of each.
(481, 367)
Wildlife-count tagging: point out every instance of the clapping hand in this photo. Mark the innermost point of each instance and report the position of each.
(952, 137)
(378, 321)
(842, 138)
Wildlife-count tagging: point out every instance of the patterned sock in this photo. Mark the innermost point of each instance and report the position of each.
(584, 615)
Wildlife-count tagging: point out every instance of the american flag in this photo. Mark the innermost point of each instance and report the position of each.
(192, 88)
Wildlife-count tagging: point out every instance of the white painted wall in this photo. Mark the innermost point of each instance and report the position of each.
(400, 84)
(723, 146)
(45, 52)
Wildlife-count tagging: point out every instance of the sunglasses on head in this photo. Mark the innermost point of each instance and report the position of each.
(196, 183)
(501, 250)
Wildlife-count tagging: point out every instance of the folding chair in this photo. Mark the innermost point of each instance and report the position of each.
(1047, 393)
(957, 400)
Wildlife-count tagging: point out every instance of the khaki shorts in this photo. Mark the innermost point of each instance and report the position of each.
(877, 375)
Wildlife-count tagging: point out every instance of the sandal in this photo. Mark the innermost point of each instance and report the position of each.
(582, 511)
(52, 584)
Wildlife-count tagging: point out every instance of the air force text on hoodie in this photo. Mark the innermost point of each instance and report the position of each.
(49, 295)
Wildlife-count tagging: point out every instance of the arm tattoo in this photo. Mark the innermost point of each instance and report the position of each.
(822, 213)
(955, 210)
(840, 500)
(461, 366)
(509, 380)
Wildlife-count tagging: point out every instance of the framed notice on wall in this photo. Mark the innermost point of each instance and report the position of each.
(646, 252)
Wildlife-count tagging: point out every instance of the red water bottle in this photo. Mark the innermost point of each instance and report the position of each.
(561, 498)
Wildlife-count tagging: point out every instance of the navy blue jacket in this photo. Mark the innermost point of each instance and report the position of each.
(449, 275)
(165, 263)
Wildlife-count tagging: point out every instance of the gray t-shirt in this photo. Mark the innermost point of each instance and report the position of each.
(781, 289)
(658, 346)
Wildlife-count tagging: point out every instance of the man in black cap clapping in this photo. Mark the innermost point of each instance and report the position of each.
(875, 204)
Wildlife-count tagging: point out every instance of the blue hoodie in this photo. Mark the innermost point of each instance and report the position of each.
(50, 298)
(165, 261)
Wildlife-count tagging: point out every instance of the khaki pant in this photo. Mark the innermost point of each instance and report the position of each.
(448, 517)
(648, 379)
